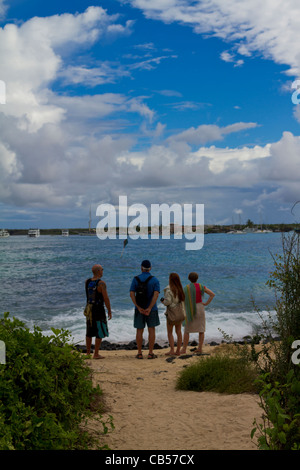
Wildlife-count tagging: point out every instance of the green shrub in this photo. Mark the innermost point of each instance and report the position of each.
(280, 379)
(46, 391)
(219, 373)
(280, 429)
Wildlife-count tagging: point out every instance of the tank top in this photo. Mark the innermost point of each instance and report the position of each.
(198, 293)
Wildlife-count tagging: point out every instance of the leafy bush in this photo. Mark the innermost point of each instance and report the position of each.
(46, 392)
(280, 429)
(280, 380)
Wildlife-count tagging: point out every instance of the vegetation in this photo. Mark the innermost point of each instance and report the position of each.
(280, 379)
(268, 368)
(46, 393)
(222, 373)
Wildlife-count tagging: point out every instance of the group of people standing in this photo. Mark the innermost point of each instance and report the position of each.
(144, 293)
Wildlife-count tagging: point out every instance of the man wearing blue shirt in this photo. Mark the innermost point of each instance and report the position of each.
(147, 314)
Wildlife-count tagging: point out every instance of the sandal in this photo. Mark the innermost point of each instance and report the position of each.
(139, 356)
(152, 356)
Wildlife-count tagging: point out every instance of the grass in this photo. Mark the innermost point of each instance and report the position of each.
(219, 373)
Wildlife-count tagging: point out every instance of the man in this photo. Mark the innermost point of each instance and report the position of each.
(146, 313)
(97, 296)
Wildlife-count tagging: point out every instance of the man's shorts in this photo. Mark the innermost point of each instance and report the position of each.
(140, 320)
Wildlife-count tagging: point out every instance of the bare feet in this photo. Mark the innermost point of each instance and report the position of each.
(98, 357)
(170, 353)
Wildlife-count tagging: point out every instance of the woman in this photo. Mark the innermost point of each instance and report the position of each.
(173, 294)
(195, 312)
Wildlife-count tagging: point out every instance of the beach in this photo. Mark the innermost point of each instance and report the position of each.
(150, 414)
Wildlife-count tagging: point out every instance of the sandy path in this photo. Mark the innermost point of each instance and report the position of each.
(149, 414)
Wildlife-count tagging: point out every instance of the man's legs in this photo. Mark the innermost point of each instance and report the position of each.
(151, 338)
(139, 339)
(88, 342)
(97, 347)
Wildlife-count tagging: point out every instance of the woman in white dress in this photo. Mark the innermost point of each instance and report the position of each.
(194, 310)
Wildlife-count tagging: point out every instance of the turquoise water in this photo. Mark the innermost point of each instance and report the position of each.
(42, 279)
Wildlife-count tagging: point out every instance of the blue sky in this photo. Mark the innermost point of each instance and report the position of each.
(170, 101)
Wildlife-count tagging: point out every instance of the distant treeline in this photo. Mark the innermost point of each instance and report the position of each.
(207, 229)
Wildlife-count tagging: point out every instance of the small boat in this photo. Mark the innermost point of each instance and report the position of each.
(33, 233)
(65, 233)
(4, 233)
(236, 232)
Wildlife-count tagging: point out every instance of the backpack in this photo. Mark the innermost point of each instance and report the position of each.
(91, 291)
(141, 293)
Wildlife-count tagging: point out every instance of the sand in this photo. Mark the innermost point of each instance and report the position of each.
(149, 414)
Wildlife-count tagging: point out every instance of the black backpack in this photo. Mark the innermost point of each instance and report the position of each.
(141, 293)
(91, 291)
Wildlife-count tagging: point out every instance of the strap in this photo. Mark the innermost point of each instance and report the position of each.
(86, 287)
(143, 282)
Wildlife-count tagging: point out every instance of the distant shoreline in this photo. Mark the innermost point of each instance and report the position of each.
(277, 228)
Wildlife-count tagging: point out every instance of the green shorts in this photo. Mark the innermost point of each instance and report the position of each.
(140, 320)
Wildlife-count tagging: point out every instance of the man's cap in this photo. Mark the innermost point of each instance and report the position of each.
(146, 264)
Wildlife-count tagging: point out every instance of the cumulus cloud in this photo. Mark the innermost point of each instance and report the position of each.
(63, 150)
(32, 59)
(270, 28)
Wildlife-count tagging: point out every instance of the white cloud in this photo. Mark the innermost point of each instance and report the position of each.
(209, 132)
(31, 57)
(3, 8)
(228, 57)
(92, 76)
(270, 27)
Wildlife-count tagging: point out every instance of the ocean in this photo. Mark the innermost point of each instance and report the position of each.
(42, 280)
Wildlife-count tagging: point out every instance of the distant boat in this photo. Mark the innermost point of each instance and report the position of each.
(33, 233)
(65, 233)
(237, 232)
(254, 230)
(4, 233)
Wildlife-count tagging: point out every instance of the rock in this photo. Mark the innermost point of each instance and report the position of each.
(170, 359)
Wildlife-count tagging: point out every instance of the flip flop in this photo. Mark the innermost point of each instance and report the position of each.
(139, 356)
(152, 356)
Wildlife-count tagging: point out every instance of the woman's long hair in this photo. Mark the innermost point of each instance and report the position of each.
(176, 287)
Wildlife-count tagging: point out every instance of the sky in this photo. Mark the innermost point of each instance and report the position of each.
(162, 101)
